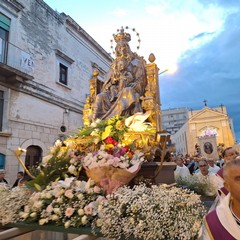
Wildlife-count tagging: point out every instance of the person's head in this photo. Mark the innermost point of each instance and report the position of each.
(203, 167)
(2, 173)
(211, 162)
(173, 157)
(231, 175)
(20, 174)
(229, 154)
(179, 161)
(195, 159)
(187, 160)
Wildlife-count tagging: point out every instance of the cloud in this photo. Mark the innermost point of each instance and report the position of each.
(209, 72)
(119, 12)
(201, 35)
(154, 10)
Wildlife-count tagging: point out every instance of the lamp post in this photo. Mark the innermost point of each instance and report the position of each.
(166, 70)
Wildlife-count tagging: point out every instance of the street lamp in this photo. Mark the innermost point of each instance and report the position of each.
(166, 70)
(170, 70)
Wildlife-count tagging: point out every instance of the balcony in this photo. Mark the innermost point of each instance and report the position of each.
(16, 65)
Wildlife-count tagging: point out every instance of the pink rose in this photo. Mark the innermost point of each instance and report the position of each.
(69, 193)
(49, 208)
(69, 212)
(88, 210)
(97, 189)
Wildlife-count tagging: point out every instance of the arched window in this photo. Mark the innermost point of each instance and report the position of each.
(33, 156)
(2, 161)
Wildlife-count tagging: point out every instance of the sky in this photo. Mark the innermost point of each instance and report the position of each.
(200, 37)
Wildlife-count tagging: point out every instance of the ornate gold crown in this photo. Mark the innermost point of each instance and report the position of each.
(122, 36)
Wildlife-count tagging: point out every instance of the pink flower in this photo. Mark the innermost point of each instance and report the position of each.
(69, 193)
(88, 210)
(49, 208)
(69, 212)
(96, 189)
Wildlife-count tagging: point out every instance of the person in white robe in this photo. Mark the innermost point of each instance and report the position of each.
(181, 170)
(212, 167)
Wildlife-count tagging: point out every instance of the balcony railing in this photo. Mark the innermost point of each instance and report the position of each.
(16, 58)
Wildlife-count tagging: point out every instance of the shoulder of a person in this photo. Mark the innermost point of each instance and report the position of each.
(211, 174)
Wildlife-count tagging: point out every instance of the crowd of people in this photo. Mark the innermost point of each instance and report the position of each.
(224, 221)
(187, 165)
(20, 180)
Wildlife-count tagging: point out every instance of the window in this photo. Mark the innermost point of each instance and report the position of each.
(1, 109)
(2, 161)
(63, 74)
(4, 30)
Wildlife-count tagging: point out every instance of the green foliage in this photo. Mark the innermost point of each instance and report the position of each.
(56, 168)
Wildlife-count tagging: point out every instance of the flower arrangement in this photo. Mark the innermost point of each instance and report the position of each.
(113, 154)
(113, 165)
(152, 213)
(101, 129)
(70, 203)
(63, 160)
(11, 202)
(199, 184)
(110, 161)
(101, 145)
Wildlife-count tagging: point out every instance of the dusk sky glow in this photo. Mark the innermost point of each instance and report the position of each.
(201, 37)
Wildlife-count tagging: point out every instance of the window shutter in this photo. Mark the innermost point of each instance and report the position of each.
(5, 22)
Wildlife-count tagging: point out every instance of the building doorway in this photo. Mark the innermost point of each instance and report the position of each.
(33, 156)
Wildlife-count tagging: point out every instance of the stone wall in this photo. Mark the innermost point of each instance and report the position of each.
(35, 110)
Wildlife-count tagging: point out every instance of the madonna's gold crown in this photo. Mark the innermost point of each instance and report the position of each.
(122, 36)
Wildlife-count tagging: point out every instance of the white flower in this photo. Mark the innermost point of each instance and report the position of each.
(55, 217)
(80, 196)
(42, 221)
(158, 212)
(84, 220)
(46, 159)
(58, 143)
(67, 182)
(99, 222)
(80, 212)
(24, 215)
(89, 183)
(59, 200)
(38, 204)
(49, 208)
(72, 169)
(80, 186)
(48, 195)
(67, 224)
(57, 211)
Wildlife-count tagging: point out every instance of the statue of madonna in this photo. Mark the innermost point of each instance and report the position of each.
(124, 85)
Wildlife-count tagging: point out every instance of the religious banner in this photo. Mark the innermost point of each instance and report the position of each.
(208, 147)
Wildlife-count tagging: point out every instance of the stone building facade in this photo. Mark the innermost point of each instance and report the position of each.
(173, 119)
(46, 60)
(204, 123)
